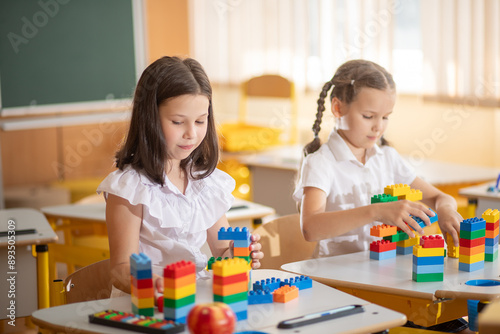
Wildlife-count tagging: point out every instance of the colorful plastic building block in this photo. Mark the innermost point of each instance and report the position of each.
(141, 285)
(235, 234)
(383, 255)
(179, 290)
(383, 230)
(270, 284)
(428, 259)
(302, 282)
(383, 198)
(414, 195)
(472, 244)
(285, 293)
(380, 246)
(399, 236)
(453, 250)
(432, 241)
(397, 190)
(260, 297)
(492, 218)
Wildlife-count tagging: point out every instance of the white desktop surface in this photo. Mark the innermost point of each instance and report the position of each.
(485, 200)
(263, 317)
(394, 276)
(97, 211)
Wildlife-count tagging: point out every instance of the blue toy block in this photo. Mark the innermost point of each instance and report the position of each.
(260, 297)
(140, 261)
(242, 243)
(490, 249)
(243, 315)
(428, 269)
(382, 255)
(490, 241)
(404, 250)
(473, 224)
(421, 223)
(428, 260)
(272, 284)
(141, 274)
(239, 306)
(301, 282)
(235, 234)
(177, 314)
(470, 266)
(435, 218)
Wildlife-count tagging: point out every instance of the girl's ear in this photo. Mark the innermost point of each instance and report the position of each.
(336, 107)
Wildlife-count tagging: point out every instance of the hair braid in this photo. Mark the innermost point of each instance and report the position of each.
(314, 145)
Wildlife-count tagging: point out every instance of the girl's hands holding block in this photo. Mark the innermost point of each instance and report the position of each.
(398, 214)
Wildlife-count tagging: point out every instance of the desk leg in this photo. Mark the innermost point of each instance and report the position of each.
(42, 255)
(257, 222)
(471, 208)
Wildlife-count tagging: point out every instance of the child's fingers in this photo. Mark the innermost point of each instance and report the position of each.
(410, 221)
(254, 238)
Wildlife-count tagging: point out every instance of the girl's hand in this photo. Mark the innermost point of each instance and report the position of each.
(256, 253)
(158, 284)
(398, 214)
(449, 223)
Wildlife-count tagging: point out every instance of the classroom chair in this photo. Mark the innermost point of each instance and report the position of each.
(282, 242)
(88, 283)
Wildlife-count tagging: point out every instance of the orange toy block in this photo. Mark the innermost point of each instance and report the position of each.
(383, 230)
(491, 234)
(471, 251)
(230, 289)
(143, 293)
(491, 216)
(285, 294)
(397, 189)
(175, 283)
(241, 251)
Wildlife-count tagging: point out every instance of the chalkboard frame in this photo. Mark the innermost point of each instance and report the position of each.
(50, 11)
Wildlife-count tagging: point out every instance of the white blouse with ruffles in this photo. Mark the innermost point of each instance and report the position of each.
(174, 225)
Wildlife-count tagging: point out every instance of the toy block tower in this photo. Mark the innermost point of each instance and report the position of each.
(241, 240)
(491, 234)
(141, 285)
(230, 284)
(179, 290)
(472, 238)
(428, 259)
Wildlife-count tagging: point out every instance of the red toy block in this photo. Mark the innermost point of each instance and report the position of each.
(380, 246)
(492, 226)
(432, 241)
(383, 230)
(179, 269)
(469, 243)
(223, 280)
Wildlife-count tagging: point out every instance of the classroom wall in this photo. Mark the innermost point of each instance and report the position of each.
(44, 156)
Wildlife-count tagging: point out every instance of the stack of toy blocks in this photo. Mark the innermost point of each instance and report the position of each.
(141, 285)
(472, 238)
(453, 251)
(491, 234)
(241, 240)
(230, 284)
(179, 290)
(428, 259)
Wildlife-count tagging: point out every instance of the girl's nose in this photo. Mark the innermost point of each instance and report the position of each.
(190, 132)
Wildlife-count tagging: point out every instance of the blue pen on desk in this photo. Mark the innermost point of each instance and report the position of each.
(321, 316)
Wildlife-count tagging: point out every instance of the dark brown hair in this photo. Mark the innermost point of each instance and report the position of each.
(145, 146)
(347, 82)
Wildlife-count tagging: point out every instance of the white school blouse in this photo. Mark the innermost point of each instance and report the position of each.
(349, 184)
(174, 225)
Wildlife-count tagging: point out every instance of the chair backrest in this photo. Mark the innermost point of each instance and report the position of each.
(282, 242)
(89, 283)
(270, 86)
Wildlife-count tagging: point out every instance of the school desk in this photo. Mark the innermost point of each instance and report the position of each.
(389, 283)
(481, 198)
(278, 167)
(261, 317)
(24, 277)
(87, 223)
(488, 320)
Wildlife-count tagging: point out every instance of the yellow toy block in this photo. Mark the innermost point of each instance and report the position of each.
(409, 242)
(228, 267)
(383, 230)
(143, 302)
(453, 250)
(491, 216)
(471, 259)
(179, 293)
(397, 189)
(420, 251)
(414, 195)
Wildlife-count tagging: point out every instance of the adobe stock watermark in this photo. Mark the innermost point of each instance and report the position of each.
(11, 273)
(30, 26)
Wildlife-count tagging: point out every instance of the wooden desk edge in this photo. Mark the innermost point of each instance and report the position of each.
(41, 241)
(467, 295)
(57, 328)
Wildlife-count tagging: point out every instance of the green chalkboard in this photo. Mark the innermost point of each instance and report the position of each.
(65, 51)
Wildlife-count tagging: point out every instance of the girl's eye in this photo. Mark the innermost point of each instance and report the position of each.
(367, 117)
(200, 122)
(385, 117)
(177, 123)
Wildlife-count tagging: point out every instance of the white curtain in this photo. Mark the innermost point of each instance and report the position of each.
(304, 41)
(461, 49)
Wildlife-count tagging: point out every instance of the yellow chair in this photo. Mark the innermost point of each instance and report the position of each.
(88, 283)
(282, 242)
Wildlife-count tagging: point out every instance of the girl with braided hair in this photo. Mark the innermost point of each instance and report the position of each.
(338, 178)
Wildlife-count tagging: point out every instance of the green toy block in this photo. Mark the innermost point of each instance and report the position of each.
(490, 257)
(399, 236)
(472, 235)
(382, 198)
(435, 277)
